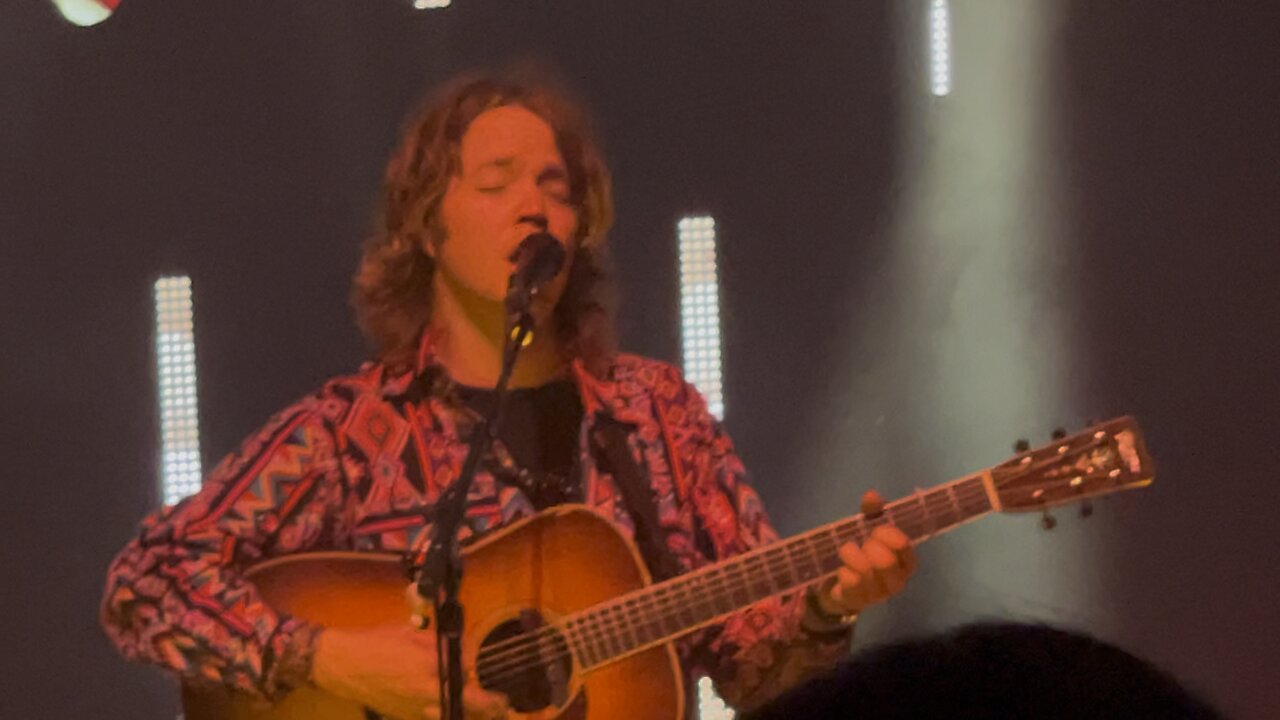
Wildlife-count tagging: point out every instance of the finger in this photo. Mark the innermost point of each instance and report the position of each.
(413, 598)
(872, 503)
(855, 559)
(849, 589)
(891, 537)
(891, 582)
(484, 705)
(417, 605)
(898, 542)
(880, 556)
(885, 572)
(907, 560)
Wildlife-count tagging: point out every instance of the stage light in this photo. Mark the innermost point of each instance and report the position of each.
(710, 706)
(176, 378)
(940, 47)
(700, 308)
(86, 12)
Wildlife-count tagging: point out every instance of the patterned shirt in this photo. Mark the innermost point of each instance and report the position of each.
(359, 464)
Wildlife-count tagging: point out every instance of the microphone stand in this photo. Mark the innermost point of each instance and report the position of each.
(441, 575)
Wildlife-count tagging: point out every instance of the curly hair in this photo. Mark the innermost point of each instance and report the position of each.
(392, 286)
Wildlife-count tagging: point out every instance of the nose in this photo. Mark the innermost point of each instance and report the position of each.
(532, 206)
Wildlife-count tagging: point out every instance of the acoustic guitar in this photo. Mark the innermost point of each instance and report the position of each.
(561, 615)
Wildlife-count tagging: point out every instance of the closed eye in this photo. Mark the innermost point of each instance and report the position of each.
(556, 182)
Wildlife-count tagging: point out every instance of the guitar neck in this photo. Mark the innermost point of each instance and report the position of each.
(667, 610)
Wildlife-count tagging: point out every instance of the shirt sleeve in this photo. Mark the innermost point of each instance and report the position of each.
(176, 596)
(755, 654)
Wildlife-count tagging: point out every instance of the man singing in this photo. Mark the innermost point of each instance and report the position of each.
(359, 464)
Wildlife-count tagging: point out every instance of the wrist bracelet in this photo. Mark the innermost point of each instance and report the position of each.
(818, 621)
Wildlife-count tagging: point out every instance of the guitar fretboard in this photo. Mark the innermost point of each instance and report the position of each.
(661, 612)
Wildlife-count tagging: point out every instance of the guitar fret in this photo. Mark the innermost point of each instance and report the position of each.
(804, 545)
(800, 567)
(780, 563)
(739, 584)
(943, 510)
(639, 620)
(940, 510)
(670, 608)
(837, 540)
(622, 623)
(727, 584)
(759, 582)
(724, 592)
(927, 519)
(829, 551)
(591, 641)
(603, 639)
(578, 642)
(662, 601)
(704, 588)
(955, 502)
(607, 636)
(635, 628)
(861, 529)
(687, 615)
(818, 566)
(576, 647)
(976, 501)
(707, 586)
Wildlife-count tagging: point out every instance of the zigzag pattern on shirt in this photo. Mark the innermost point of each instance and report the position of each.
(255, 502)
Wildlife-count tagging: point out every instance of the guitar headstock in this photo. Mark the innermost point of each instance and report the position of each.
(1106, 458)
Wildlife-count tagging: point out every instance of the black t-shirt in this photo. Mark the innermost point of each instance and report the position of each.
(540, 427)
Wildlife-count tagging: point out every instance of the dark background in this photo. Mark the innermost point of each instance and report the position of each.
(242, 143)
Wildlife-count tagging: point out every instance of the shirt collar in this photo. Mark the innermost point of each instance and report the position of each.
(425, 377)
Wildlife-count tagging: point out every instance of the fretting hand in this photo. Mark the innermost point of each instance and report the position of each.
(871, 573)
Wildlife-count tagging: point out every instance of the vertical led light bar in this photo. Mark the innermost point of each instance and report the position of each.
(176, 374)
(700, 308)
(940, 47)
(700, 340)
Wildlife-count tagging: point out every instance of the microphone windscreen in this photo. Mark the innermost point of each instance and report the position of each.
(539, 258)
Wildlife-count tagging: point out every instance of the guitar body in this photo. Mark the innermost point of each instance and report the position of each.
(547, 566)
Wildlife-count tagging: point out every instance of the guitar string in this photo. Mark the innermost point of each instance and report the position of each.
(492, 675)
(774, 559)
(519, 661)
(499, 657)
(595, 620)
(636, 613)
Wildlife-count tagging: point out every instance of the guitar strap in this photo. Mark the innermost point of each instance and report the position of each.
(611, 439)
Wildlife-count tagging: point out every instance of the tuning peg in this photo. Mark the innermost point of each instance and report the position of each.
(1021, 445)
(1086, 509)
(1048, 521)
(1059, 433)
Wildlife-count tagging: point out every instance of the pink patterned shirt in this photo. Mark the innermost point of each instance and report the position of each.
(354, 466)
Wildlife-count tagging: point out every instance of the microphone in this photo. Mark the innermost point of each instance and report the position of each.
(538, 259)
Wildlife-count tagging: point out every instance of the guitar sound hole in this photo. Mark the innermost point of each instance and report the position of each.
(527, 662)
